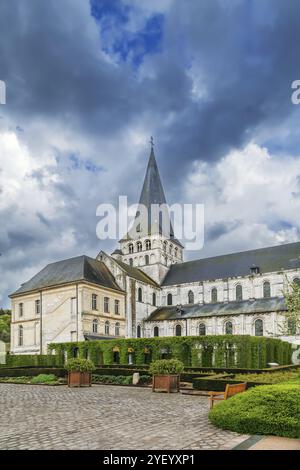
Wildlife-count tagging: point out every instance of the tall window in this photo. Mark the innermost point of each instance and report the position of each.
(191, 297)
(176, 251)
(130, 248)
(117, 329)
(37, 307)
(154, 298)
(139, 246)
(106, 305)
(140, 295)
(267, 289)
(130, 261)
(20, 335)
(148, 245)
(147, 259)
(95, 326)
(21, 310)
(214, 295)
(258, 327)
(178, 330)
(169, 299)
(117, 307)
(202, 329)
(165, 246)
(106, 327)
(94, 301)
(156, 331)
(228, 328)
(138, 331)
(239, 292)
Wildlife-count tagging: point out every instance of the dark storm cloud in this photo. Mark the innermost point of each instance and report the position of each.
(213, 74)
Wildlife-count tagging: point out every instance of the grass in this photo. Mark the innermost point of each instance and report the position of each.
(49, 379)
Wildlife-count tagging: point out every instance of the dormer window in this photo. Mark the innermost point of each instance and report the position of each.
(254, 270)
(139, 246)
(148, 244)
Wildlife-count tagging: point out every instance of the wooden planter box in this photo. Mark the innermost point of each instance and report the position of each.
(165, 383)
(79, 379)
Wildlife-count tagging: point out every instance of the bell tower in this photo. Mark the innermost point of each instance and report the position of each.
(150, 244)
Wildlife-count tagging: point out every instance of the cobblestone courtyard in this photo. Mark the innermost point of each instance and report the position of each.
(106, 417)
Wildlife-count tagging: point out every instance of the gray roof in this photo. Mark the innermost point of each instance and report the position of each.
(257, 306)
(81, 268)
(136, 273)
(270, 259)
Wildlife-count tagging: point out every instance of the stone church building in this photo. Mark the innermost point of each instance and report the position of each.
(145, 289)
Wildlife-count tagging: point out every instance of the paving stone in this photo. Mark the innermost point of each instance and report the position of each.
(106, 417)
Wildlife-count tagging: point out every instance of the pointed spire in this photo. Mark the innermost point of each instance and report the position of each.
(152, 191)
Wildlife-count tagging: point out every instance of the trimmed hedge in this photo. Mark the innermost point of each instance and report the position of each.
(228, 351)
(31, 371)
(270, 409)
(45, 360)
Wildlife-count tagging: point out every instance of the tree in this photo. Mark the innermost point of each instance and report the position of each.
(5, 318)
(291, 323)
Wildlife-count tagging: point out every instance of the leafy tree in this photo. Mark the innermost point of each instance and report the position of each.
(5, 318)
(291, 323)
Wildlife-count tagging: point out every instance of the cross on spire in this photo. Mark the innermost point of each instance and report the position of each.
(151, 142)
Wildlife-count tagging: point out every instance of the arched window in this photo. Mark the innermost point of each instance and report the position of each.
(169, 299)
(292, 327)
(140, 295)
(95, 326)
(147, 259)
(130, 248)
(20, 335)
(148, 244)
(297, 281)
(117, 329)
(214, 295)
(202, 329)
(191, 297)
(138, 331)
(176, 251)
(228, 328)
(154, 299)
(130, 262)
(139, 246)
(106, 328)
(258, 327)
(171, 249)
(178, 330)
(238, 292)
(267, 289)
(165, 246)
(156, 331)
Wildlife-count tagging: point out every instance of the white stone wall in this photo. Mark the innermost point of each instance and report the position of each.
(59, 316)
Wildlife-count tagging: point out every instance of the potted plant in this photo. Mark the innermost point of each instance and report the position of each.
(79, 372)
(166, 375)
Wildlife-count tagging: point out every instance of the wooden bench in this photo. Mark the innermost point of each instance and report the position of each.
(230, 390)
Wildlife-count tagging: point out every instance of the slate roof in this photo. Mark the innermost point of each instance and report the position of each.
(81, 268)
(271, 259)
(272, 304)
(136, 273)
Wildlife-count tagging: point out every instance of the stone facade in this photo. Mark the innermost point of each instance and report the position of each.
(63, 314)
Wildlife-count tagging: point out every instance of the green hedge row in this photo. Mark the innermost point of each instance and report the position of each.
(229, 351)
(30, 372)
(218, 384)
(271, 410)
(45, 360)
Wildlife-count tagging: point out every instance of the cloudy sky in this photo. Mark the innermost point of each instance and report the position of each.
(88, 83)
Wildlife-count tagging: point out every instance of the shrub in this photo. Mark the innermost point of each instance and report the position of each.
(44, 379)
(166, 366)
(268, 409)
(80, 365)
(111, 379)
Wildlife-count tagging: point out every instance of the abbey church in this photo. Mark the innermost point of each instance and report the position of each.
(145, 289)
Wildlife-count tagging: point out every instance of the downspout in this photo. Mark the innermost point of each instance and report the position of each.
(41, 323)
(77, 322)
